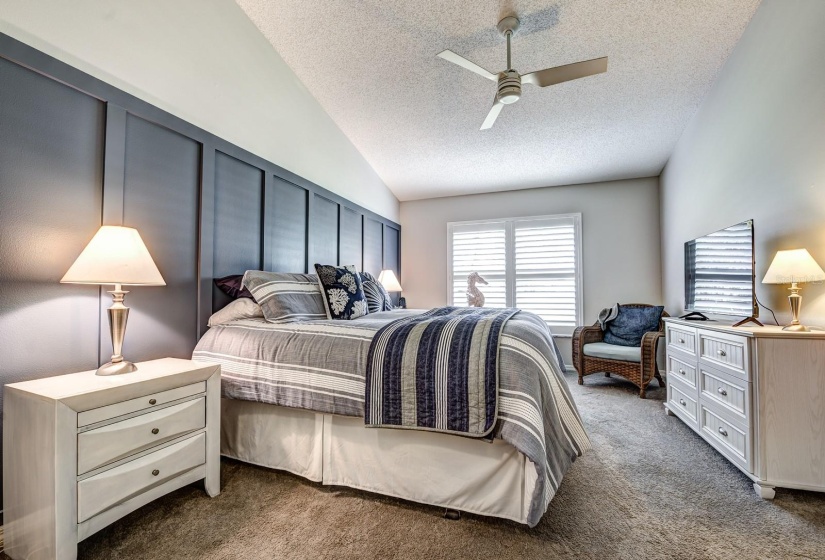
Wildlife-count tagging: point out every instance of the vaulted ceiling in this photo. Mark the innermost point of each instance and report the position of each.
(372, 65)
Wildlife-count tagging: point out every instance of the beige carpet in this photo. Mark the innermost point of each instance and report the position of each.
(649, 489)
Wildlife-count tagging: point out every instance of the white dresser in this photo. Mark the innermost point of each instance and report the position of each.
(81, 451)
(756, 394)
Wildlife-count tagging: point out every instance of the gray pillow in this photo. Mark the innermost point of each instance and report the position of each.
(285, 297)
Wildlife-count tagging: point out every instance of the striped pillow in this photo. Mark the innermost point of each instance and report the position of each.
(286, 297)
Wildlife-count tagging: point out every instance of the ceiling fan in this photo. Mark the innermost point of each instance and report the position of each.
(510, 81)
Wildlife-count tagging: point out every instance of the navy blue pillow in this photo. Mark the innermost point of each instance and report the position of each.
(343, 293)
(631, 324)
(377, 297)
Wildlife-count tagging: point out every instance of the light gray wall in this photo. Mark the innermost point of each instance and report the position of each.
(620, 239)
(208, 64)
(756, 149)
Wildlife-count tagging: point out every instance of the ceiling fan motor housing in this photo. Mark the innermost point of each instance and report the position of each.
(509, 87)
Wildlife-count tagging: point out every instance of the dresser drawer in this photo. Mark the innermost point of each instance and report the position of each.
(725, 351)
(115, 486)
(678, 369)
(115, 441)
(681, 338)
(733, 442)
(682, 402)
(141, 403)
(728, 391)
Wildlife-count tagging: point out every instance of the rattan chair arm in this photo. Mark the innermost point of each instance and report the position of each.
(650, 341)
(581, 336)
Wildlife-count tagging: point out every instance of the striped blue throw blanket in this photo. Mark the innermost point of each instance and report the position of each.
(437, 371)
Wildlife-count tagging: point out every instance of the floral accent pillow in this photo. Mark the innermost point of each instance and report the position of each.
(343, 293)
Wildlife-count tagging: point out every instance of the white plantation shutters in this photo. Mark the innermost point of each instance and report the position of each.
(531, 263)
(480, 248)
(546, 266)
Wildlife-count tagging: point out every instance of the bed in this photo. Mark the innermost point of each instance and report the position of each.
(293, 399)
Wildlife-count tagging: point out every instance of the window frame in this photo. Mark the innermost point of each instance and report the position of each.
(510, 257)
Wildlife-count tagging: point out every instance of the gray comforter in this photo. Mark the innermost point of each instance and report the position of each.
(321, 366)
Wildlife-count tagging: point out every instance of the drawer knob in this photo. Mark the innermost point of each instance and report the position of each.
(153, 401)
(157, 472)
(681, 341)
(723, 431)
(721, 352)
(682, 402)
(155, 431)
(722, 392)
(682, 371)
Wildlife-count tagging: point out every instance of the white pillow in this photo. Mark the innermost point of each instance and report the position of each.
(241, 308)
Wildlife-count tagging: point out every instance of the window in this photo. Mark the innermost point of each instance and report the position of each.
(530, 263)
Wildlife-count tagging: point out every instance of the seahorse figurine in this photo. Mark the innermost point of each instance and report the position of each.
(474, 296)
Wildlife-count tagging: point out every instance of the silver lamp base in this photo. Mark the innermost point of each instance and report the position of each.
(118, 315)
(116, 368)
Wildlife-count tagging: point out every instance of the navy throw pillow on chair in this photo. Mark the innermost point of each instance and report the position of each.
(631, 324)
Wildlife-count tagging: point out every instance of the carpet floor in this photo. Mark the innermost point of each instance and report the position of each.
(650, 488)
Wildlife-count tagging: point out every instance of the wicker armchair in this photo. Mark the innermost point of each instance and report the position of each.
(638, 373)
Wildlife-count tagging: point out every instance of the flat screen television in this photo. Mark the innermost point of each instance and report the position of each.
(719, 272)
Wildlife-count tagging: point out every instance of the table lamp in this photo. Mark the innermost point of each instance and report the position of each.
(388, 279)
(116, 256)
(794, 267)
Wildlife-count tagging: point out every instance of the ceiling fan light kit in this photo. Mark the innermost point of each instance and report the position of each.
(509, 81)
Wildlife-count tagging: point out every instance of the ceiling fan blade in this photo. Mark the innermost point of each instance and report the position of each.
(464, 63)
(492, 115)
(559, 74)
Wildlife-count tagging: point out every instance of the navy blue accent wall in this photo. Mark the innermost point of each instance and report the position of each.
(76, 153)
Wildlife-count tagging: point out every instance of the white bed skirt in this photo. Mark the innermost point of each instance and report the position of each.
(430, 468)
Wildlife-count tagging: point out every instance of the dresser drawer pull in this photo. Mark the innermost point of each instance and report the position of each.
(681, 341)
(153, 401)
(723, 431)
(155, 431)
(682, 402)
(722, 392)
(157, 472)
(722, 353)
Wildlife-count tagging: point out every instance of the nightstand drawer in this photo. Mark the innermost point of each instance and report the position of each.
(115, 441)
(112, 487)
(141, 403)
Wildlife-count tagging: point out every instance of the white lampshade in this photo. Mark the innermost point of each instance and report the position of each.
(796, 265)
(115, 255)
(389, 281)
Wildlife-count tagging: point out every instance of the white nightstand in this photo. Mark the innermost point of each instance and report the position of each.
(81, 451)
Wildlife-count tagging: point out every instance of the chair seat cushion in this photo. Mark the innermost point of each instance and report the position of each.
(613, 352)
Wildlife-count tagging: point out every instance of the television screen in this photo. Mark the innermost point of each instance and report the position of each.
(719, 272)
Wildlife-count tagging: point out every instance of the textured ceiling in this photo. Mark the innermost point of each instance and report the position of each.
(372, 65)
